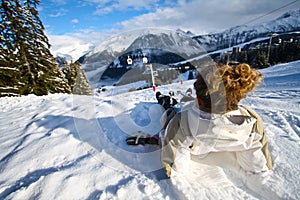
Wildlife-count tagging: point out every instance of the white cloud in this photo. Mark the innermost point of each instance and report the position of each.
(75, 21)
(70, 45)
(164, 18)
(106, 6)
(60, 2)
(59, 13)
(84, 35)
(202, 16)
(103, 10)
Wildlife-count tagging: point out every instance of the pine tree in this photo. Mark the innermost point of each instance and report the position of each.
(26, 47)
(77, 79)
(9, 72)
(261, 60)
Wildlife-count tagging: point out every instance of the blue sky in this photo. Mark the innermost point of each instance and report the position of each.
(63, 16)
(93, 20)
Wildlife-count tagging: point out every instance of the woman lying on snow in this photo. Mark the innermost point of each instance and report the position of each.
(215, 123)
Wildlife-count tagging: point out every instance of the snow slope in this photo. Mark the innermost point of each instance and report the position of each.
(73, 147)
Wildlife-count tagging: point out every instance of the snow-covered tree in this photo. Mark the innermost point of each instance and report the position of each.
(10, 74)
(77, 79)
(25, 47)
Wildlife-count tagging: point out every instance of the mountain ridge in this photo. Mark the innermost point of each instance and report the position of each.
(288, 22)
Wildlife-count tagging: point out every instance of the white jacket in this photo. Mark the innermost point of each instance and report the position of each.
(200, 133)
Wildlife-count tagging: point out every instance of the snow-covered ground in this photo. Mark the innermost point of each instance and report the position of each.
(73, 147)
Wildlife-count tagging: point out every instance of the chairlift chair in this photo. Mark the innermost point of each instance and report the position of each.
(129, 61)
(145, 60)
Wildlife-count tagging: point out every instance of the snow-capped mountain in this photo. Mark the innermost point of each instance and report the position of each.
(69, 48)
(187, 33)
(170, 41)
(159, 46)
(288, 22)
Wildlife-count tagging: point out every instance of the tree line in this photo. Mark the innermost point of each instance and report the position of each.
(262, 54)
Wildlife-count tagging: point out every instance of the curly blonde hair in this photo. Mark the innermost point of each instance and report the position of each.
(221, 90)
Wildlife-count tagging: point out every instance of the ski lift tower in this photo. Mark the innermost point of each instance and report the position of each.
(269, 47)
(148, 67)
(153, 73)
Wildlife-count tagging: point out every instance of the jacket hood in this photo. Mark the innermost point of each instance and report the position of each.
(227, 130)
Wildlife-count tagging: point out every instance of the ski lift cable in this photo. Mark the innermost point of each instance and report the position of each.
(272, 11)
(268, 13)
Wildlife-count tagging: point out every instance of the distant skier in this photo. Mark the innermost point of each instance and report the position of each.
(216, 123)
(166, 101)
(187, 96)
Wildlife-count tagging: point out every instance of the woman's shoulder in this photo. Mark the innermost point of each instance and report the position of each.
(247, 110)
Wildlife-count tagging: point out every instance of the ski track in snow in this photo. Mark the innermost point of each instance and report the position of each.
(73, 147)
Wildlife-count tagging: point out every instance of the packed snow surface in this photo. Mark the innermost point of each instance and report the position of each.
(73, 147)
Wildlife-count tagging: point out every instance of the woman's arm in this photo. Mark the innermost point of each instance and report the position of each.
(175, 150)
